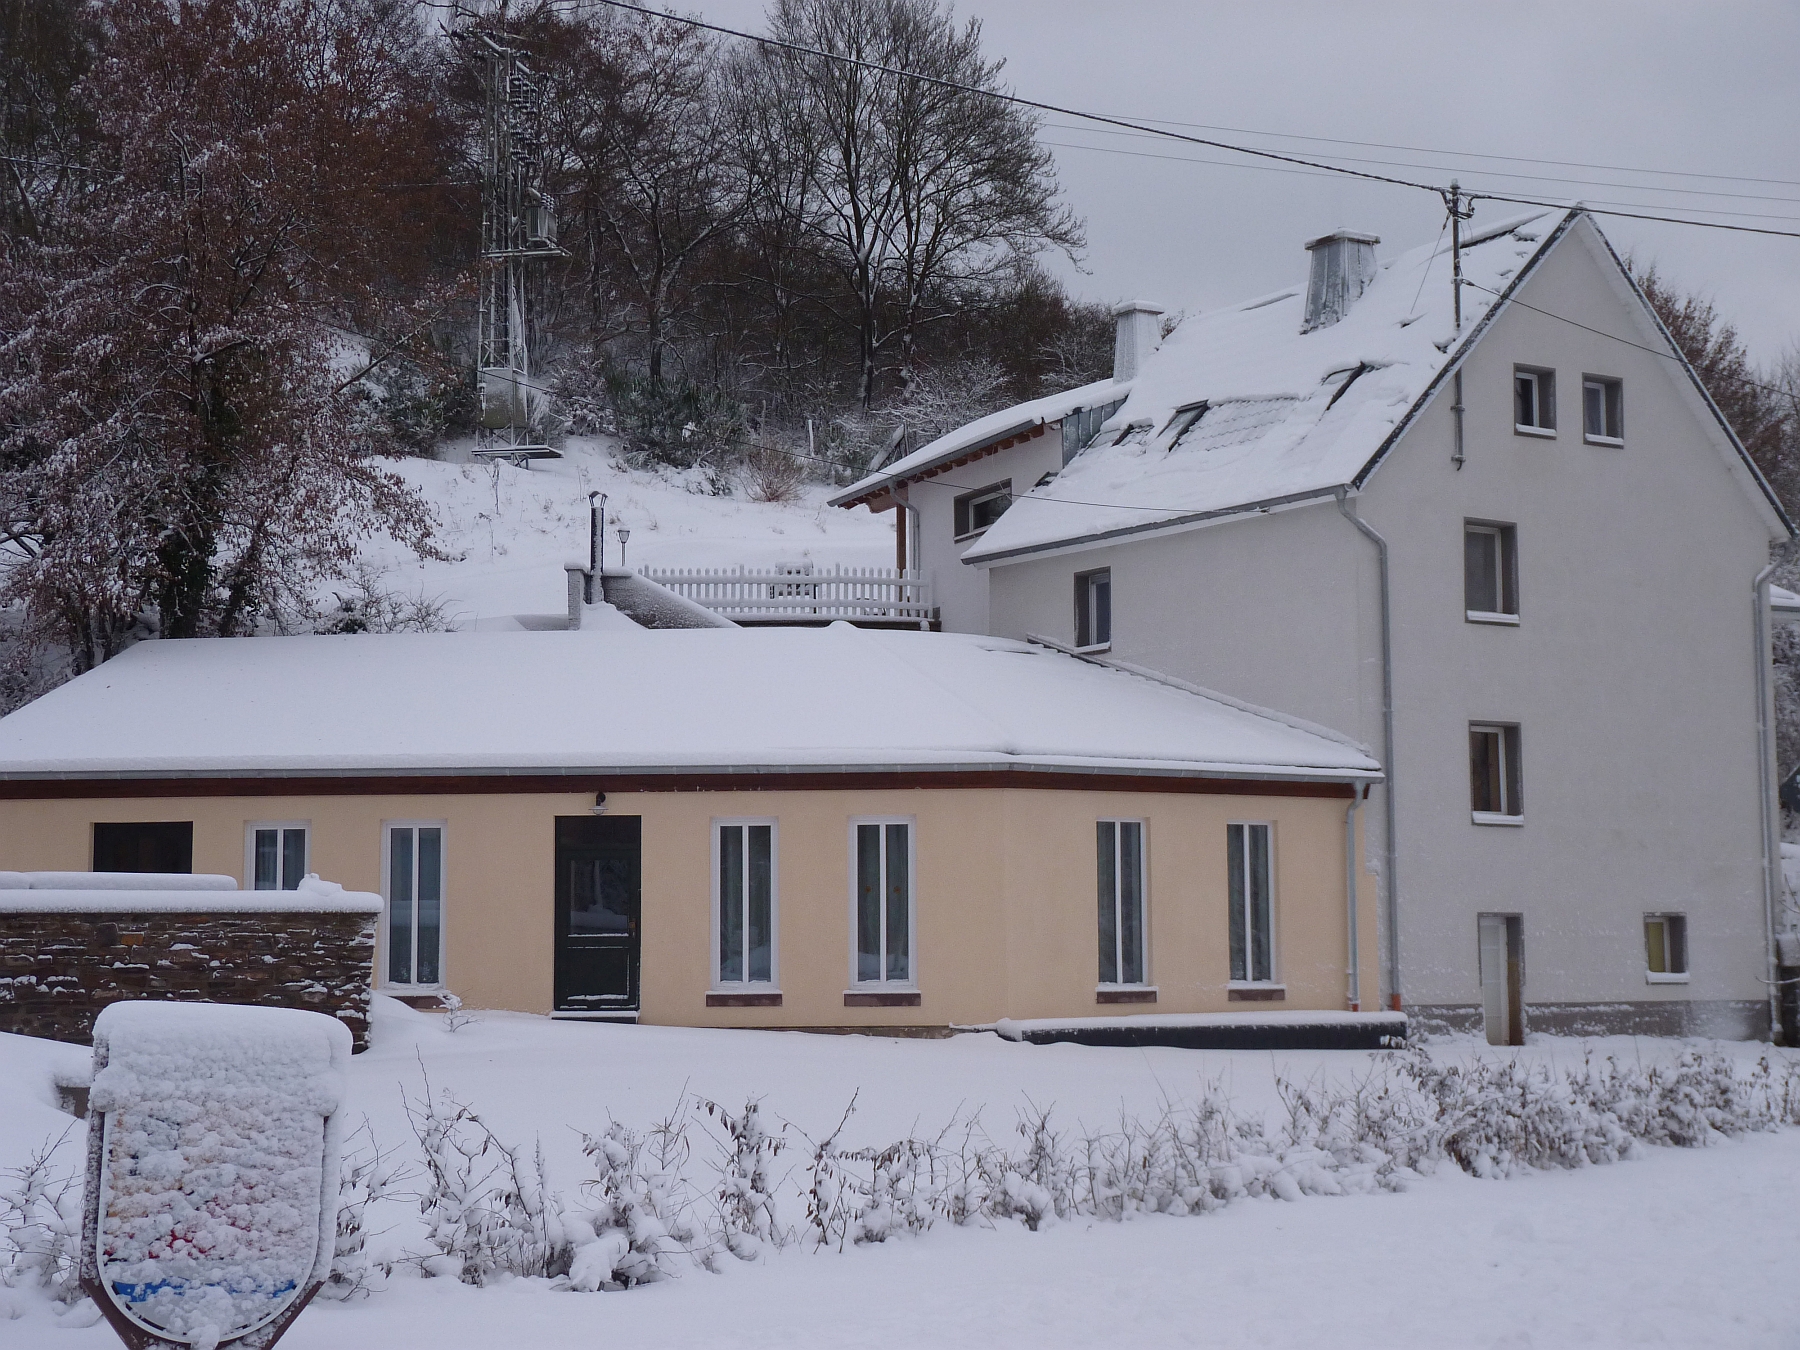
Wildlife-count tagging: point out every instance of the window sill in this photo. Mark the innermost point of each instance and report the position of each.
(1486, 616)
(1494, 818)
(1651, 977)
(1617, 442)
(743, 998)
(1093, 648)
(1125, 993)
(965, 538)
(1548, 433)
(881, 998)
(1247, 991)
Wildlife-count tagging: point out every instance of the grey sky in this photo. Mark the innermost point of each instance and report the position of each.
(1645, 84)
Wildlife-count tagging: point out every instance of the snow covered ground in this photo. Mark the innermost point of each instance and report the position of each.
(509, 530)
(1680, 1247)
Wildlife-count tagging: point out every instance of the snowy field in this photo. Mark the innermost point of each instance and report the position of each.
(1677, 1247)
(509, 530)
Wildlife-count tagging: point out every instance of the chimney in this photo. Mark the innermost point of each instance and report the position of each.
(1139, 333)
(1343, 265)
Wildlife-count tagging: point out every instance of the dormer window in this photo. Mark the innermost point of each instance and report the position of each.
(1602, 410)
(1534, 401)
(973, 512)
(1183, 422)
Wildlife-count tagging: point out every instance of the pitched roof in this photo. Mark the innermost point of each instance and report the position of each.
(649, 701)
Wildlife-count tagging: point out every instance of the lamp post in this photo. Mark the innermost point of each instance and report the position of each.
(624, 534)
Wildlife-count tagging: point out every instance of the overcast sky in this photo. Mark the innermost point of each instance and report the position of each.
(1707, 88)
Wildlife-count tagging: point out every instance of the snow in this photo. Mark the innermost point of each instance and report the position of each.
(770, 699)
(117, 881)
(217, 1161)
(1684, 1247)
(312, 896)
(1286, 416)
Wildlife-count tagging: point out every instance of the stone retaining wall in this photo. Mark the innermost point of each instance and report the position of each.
(59, 969)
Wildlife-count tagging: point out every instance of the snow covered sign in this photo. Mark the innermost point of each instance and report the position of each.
(212, 1177)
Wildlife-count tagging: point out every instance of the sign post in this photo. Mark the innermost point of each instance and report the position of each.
(210, 1212)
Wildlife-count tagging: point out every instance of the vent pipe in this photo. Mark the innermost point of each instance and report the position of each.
(1139, 333)
(1343, 265)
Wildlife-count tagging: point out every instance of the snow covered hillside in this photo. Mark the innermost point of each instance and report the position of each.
(1674, 1246)
(509, 531)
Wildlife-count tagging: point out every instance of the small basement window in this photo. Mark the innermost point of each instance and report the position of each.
(975, 511)
(1494, 783)
(1490, 572)
(146, 846)
(1602, 410)
(1665, 948)
(277, 854)
(1093, 609)
(1534, 401)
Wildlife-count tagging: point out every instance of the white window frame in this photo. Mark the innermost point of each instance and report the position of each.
(1148, 983)
(1670, 976)
(1084, 609)
(1512, 777)
(1543, 381)
(910, 985)
(250, 829)
(1275, 980)
(382, 947)
(964, 504)
(772, 985)
(1610, 388)
(1506, 541)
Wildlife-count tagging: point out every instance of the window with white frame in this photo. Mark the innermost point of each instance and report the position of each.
(1252, 903)
(1665, 948)
(1603, 410)
(275, 854)
(884, 902)
(413, 880)
(1093, 608)
(1490, 572)
(744, 903)
(1121, 879)
(1494, 779)
(1534, 401)
(973, 512)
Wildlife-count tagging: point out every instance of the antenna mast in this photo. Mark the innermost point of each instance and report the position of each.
(518, 231)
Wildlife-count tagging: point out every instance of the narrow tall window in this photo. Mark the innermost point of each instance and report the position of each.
(1494, 784)
(746, 903)
(1603, 409)
(1093, 608)
(884, 902)
(1121, 867)
(1252, 905)
(277, 851)
(973, 512)
(1534, 400)
(415, 900)
(1665, 947)
(1490, 571)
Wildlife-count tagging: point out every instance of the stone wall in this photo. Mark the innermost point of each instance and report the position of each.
(58, 970)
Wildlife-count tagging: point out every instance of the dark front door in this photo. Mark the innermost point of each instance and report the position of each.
(598, 871)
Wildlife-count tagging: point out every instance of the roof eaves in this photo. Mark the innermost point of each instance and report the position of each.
(961, 454)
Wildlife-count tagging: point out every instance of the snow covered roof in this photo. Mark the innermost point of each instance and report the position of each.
(1240, 409)
(1783, 601)
(165, 895)
(1021, 417)
(730, 700)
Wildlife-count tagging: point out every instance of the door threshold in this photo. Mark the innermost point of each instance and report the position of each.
(622, 1015)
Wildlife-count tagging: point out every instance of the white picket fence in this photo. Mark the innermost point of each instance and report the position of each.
(800, 591)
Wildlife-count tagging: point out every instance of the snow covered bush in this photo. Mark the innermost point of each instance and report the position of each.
(642, 1220)
(747, 1184)
(366, 1176)
(40, 1225)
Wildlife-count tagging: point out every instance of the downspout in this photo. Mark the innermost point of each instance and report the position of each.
(1457, 409)
(1391, 848)
(1765, 786)
(1353, 972)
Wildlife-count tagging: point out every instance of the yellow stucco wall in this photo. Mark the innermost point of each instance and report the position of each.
(1005, 891)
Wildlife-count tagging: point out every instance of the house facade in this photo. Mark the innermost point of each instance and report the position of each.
(1523, 558)
(719, 827)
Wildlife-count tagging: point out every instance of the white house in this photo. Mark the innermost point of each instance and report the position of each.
(1521, 557)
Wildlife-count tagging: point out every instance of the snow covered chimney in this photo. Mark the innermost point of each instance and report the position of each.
(1343, 265)
(1139, 333)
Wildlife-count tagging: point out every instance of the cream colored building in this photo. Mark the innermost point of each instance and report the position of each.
(778, 828)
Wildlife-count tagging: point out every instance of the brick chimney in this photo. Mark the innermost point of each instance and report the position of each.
(1343, 265)
(1139, 333)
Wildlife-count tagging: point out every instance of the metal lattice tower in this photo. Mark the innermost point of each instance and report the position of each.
(518, 229)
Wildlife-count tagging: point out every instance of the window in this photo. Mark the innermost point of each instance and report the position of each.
(1665, 948)
(1093, 608)
(1603, 410)
(276, 854)
(149, 846)
(1183, 422)
(744, 903)
(975, 511)
(414, 868)
(1252, 905)
(1121, 859)
(884, 902)
(1490, 573)
(1534, 401)
(1494, 774)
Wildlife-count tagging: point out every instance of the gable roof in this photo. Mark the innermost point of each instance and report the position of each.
(622, 701)
(1239, 411)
